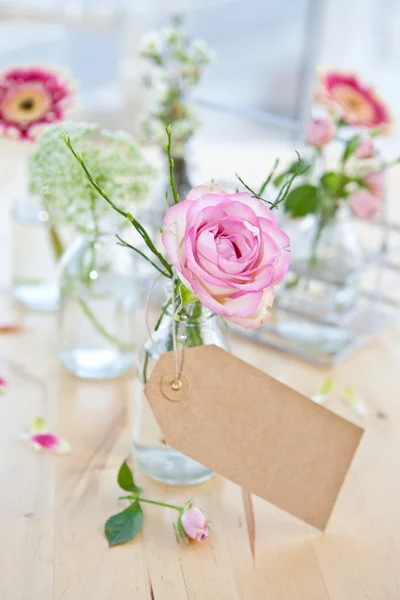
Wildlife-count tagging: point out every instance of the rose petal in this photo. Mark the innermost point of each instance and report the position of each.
(207, 188)
(41, 438)
(259, 316)
(3, 385)
(50, 441)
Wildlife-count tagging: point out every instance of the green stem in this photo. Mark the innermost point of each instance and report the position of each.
(56, 243)
(126, 245)
(194, 329)
(97, 325)
(164, 310)
(270, 176)
(139, 228)
(171, 167)
(140, 499)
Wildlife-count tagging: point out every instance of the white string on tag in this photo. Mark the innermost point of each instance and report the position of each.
(176, 384)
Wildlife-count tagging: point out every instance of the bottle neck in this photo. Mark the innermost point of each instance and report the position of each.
(193, 313)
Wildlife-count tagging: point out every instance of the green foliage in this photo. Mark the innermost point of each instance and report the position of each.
(126, 480)
(186, 296)
(124, 526)
(56, 176)
(334, 184)
(350, 148)
(302, 201)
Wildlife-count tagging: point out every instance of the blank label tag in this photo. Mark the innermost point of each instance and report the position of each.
(254, 430)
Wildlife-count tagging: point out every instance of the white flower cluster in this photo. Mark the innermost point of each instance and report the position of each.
(177, 68)
(114, 160)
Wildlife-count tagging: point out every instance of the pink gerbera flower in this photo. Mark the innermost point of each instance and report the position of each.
(31, 97)
(352, 102)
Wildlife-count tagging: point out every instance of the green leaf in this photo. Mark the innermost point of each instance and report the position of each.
(187, 297)
(125, 479)
(332, 181)
(302, 200)
(39, 425)
(350, 148)
(124, 526)
(327, 387)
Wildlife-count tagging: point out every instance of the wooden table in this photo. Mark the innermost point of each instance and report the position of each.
(53, 507)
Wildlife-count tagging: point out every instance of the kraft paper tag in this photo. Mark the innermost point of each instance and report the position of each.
(254, 430)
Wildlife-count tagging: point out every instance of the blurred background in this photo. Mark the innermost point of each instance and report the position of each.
(259, 87)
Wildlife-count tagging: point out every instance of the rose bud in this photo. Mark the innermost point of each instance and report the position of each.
(319, 132)
(365, 148)
(364, 204)
(193, 524)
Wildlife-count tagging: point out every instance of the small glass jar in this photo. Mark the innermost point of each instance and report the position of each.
(98, 300)
(197, 326)
(35, 253)
(324, 282)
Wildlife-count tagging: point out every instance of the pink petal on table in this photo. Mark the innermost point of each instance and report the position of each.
(10, 327)
(49, 441)
(41, 438)
(3, 385)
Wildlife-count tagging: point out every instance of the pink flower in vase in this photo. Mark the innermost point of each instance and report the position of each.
(229, 251)
(194, 524)
(364, 204)
(375, 183)
(31, 97)
(352, 102)
(319, 132)
(365, 148)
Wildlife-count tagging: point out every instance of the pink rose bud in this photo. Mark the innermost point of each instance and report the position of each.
(364, 204)
(374, 182)
(319, 132)
(194, 524)
(3, 385)
(365, 148)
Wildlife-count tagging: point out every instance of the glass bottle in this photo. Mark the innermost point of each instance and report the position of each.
(98, 300)
(36, 249)
(324, 281)
(196, 326)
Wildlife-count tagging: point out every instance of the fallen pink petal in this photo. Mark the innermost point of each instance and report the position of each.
(10, 327)
(50, 441)
(41, 439)
(3, 385)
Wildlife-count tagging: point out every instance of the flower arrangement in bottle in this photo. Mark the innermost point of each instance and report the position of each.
(354, 118)
(32, 98)
(99, 291)
(224, 254)
(176, 68)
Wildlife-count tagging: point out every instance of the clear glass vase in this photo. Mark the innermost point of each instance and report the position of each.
(98, 300)
(35, 253)
(323, 285)
(197, 326)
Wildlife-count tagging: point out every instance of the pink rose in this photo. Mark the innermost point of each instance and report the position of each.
(194, 524)
(319, 132)
(374, 181)
(365, 148)
(364, 204)
(229, 251)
